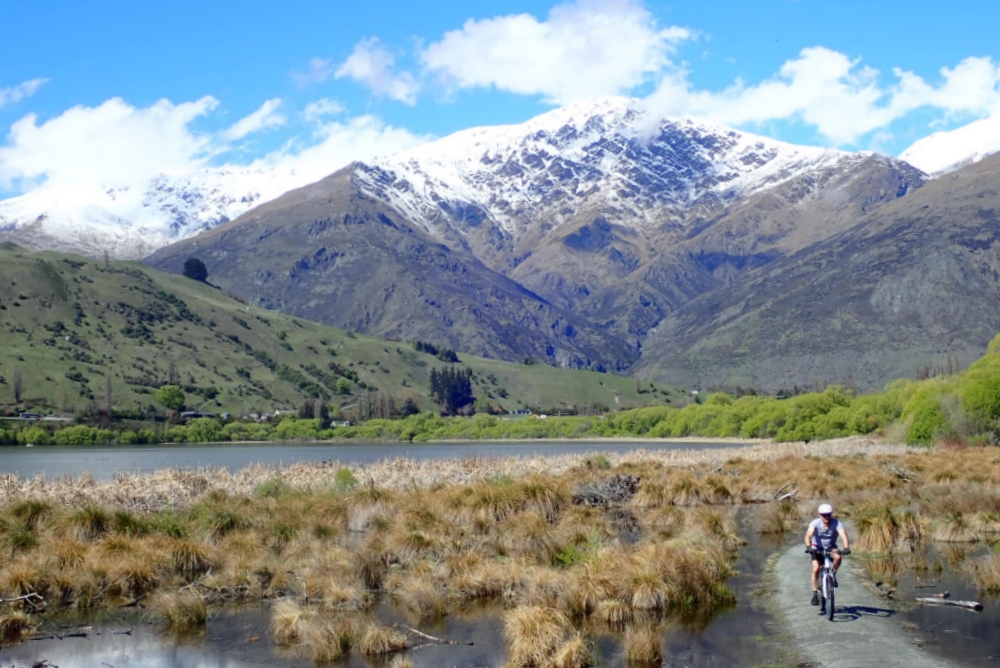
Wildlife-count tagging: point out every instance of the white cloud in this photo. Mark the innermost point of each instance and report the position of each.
(320, 70)
(17, 93)
(335, 144)
(112, 144)
(117, 145)
(265, 117)
(322, 108)
(843, 99)
(583, 48)
(372, 65)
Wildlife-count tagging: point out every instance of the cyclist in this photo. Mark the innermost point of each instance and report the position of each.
(822, 534)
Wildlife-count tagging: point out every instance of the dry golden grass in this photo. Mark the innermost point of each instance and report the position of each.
(181, 611)
(985, 572)
(574, 653)
(882, 527)
(643, 647)
(381, 640)
(534, 634)
(441, 533)
(613, 612)
(289, 621)
(15, 627)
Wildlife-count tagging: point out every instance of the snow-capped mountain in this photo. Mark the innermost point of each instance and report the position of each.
(130, 223)
(944, 152)
(603, 155)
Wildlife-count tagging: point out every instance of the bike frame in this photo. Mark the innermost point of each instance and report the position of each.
(826, 579)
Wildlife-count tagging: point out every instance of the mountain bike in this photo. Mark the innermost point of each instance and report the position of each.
(827, 578)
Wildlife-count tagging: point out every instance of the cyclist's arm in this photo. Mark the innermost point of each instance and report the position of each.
(843, 536)
(809, 535)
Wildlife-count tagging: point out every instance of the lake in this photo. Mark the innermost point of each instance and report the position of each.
(104, 461)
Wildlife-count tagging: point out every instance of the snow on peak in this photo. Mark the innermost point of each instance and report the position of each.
(944, 152)
(603, 155)
(132, 222)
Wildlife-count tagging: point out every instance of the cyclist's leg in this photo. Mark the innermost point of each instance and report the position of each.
(836, 561)
(815, 574)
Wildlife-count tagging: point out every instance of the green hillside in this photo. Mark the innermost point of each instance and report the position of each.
(72, 327)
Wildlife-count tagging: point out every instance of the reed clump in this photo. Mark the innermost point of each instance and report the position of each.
(534, 634)
(181, 611)
(381, 640)
(15, 627)
(643, 646)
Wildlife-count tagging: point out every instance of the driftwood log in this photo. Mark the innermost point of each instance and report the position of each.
(967, 605)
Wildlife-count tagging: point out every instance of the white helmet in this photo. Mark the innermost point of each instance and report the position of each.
(826, 509)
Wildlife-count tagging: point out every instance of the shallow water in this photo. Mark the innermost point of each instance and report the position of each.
(965, 637)
(103, 461)
(238, 639)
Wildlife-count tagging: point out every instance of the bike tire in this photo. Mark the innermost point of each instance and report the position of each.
(829, 599)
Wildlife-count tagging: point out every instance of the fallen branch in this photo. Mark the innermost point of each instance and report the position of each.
(27, 598)
(967, 605)
(787, 496)
(431, 639)
(782, 489)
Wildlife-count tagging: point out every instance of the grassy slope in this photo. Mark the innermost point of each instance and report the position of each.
(192, 325)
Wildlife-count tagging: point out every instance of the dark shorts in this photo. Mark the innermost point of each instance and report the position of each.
(818, 557)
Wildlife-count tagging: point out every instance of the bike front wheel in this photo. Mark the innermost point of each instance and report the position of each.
(828, 586)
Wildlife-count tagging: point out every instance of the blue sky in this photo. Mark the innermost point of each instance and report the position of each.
(82, 84)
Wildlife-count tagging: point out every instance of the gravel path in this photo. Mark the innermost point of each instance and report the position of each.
(863, 632)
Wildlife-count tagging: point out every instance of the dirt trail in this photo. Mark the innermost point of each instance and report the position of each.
(863, 632)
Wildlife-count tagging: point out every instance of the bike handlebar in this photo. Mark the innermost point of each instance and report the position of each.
(816, 550)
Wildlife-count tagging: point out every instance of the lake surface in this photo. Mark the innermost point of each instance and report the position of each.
(104, 461)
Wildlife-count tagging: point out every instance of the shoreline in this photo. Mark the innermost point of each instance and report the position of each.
(724, 440)
(172, 487)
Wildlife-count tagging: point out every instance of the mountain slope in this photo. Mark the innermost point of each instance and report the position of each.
(911, 283)
(69, 324)
(566, 238)
(329, 253)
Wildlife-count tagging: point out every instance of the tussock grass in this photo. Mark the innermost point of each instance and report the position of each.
(985, 572)
(882, 527)
(613, 612)
(643, 647)
(441, 534)
(381, 640)
(534, 634)
(181, 611)
(15, 627)
(574, 653)
(289, 622)
(956, 527)
(421, 596)
(190, 559)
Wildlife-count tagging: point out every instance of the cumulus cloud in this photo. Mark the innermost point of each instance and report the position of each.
(265, 117)
(842, 98)
(17, 93)
(582, 49)
(117, 145)
(113, 144)
(373, 65)
(335, 144)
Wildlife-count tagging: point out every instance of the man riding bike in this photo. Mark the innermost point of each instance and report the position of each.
(822, 535)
